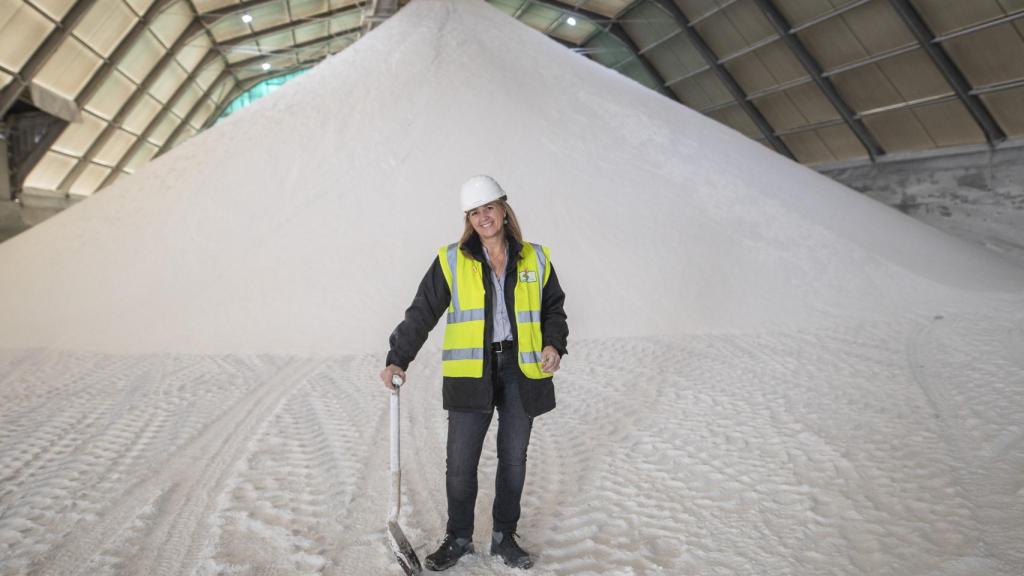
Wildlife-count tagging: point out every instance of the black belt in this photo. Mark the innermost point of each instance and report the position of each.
(503, 346)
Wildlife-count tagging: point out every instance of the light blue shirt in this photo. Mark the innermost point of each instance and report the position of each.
(502, 325)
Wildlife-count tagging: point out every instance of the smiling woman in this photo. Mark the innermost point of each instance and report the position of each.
(499, 353)
(489, 221)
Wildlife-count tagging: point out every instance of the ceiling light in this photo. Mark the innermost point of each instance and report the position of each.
(246, 17)
(265, 66)
(571, 21)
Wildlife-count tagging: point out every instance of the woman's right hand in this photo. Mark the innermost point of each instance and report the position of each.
(387, 374)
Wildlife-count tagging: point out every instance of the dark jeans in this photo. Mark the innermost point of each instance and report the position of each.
(466, 431)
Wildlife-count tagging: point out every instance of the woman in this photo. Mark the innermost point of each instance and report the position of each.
(506, 333)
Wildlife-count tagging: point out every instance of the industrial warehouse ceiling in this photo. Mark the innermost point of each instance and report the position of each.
(92, 89)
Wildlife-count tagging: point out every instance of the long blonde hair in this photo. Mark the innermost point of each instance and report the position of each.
(511, 226)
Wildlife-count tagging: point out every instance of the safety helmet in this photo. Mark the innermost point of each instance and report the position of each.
(480, 190)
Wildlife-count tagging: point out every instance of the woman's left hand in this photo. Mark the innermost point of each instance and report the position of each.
(550, 359)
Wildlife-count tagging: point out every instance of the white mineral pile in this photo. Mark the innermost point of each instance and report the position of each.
(303, 224)
(768, 373)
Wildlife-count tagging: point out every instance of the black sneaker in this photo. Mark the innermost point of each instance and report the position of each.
(504, 544)
(449, 553)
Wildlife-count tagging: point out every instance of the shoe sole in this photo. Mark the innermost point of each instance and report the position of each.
(435, 568)
(522, 566)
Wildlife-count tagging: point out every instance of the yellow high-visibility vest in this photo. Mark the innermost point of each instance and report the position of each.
(463, 353)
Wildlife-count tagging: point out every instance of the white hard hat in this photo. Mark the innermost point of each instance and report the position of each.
(480, 190)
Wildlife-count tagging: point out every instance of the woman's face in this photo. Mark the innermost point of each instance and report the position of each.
(488, 220)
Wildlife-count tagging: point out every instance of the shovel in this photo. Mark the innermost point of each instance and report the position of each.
(404, 553)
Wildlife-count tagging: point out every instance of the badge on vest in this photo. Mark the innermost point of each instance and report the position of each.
(528, 276)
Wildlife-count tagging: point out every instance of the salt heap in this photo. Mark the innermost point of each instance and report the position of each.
(303, 223)
(768, 373)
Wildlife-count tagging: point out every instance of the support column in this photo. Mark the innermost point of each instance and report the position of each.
(6, 188)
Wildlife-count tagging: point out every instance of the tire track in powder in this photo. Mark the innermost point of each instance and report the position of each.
(185, 486)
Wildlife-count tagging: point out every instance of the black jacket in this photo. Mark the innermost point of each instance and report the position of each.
(431, 302)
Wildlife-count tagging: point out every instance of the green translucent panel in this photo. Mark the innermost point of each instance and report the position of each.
(259, 91)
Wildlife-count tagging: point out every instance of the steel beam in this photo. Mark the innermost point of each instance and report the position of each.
(288, 11)
(522, 8)
(902, 106)
(830, 15)
(716, 10)
(254, 37)
(796, 46)
(619, 32)
(192, 111)
(566, 43)
(321, 40)
(812, 127)
(618, 17)
(593, 17)
(749, 49)
(935, 99)
(725, 77)
(593, 35)
(126, 44)
(206, 30)
(243, 87)
(998, 87)
(870, 60)
(298, 46)
(140, 92)
(690, 74)
(377, 12)
(954, 77)
(22, 78)
(659, 42)
(629, 8)
(563, 7)
(551, 27)
(168, 106)
(214, 15)
(234, 93)
(602, 22)
(1017, 15)
(807, 80)
(616, 30)
(778, 88)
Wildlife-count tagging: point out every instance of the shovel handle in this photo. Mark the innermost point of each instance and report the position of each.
(396, 466)
(399, 544)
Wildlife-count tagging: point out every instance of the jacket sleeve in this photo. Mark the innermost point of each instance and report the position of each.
(554, 328)
(431, 301)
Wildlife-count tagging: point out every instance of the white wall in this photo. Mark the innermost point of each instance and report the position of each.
(976, 195)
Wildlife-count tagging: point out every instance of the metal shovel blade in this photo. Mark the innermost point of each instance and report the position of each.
(404, 553)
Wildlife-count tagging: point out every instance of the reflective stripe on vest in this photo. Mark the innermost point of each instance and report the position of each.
(463, 350)
(528, 316)
(463, 354)
(529, 358)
